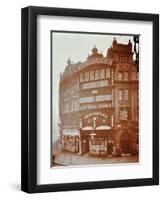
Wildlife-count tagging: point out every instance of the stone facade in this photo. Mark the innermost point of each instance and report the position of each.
(98, 103)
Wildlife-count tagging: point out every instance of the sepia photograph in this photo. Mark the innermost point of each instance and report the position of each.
(94, 98)
(90, 99)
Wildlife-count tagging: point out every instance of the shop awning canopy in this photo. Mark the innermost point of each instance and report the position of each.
(71, 132)
(87, 128)
(104, 127)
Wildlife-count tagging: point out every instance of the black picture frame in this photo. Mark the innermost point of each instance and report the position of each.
(29, 98)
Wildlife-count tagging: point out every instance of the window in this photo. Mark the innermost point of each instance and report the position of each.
(123, 59)
(88, 106)
(75, 108)
(95, 84)
(103, 83)
(123, 114)
(134, 75)
(126, 76)
(86, 76)
(125, 95)
(90, 85)
(92, 76)
(94, 91)
(126, 59)
(108, 73)
(120, 95)
(120, 76)
(107, 97)
(102, 73)
(87, 99)
(81, 77)
(97, 75)
(66, 107)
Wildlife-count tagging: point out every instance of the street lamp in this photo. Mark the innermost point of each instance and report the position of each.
(94, 123)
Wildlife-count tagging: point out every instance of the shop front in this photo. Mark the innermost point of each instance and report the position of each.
(98, 142)
(70, 140)
(125, 143)
(98, 145)
(96, 131)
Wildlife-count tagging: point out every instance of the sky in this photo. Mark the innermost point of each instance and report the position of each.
(75, 46)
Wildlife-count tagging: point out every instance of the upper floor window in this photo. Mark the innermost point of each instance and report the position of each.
(97, 75)
(66, 107)
(81, 77)
(120, 75)
(102, 73)
(126, 76)
(86, 76)
(95, 84)
(120, 59)
(75, 106)
(92, 76)
(94, 91)
(108, 73)
(87, 99)
(120, 95)
(134, 75)
(125, 95)
(123, 59)
(106, 97)
(123, 114)
(103, 83)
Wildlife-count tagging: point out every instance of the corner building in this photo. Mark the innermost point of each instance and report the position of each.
(98, 103)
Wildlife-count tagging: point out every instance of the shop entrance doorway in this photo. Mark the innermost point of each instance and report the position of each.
(125, 143)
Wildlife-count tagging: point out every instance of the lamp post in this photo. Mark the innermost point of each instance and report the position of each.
(94, 123)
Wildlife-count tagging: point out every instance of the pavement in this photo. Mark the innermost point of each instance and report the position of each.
(68, 159)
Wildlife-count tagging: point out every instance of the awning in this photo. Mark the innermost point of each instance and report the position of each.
(90, 128)
(87, 128)
(105, 127)
(71, 132)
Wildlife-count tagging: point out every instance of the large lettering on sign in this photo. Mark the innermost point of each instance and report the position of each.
(93, 114)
